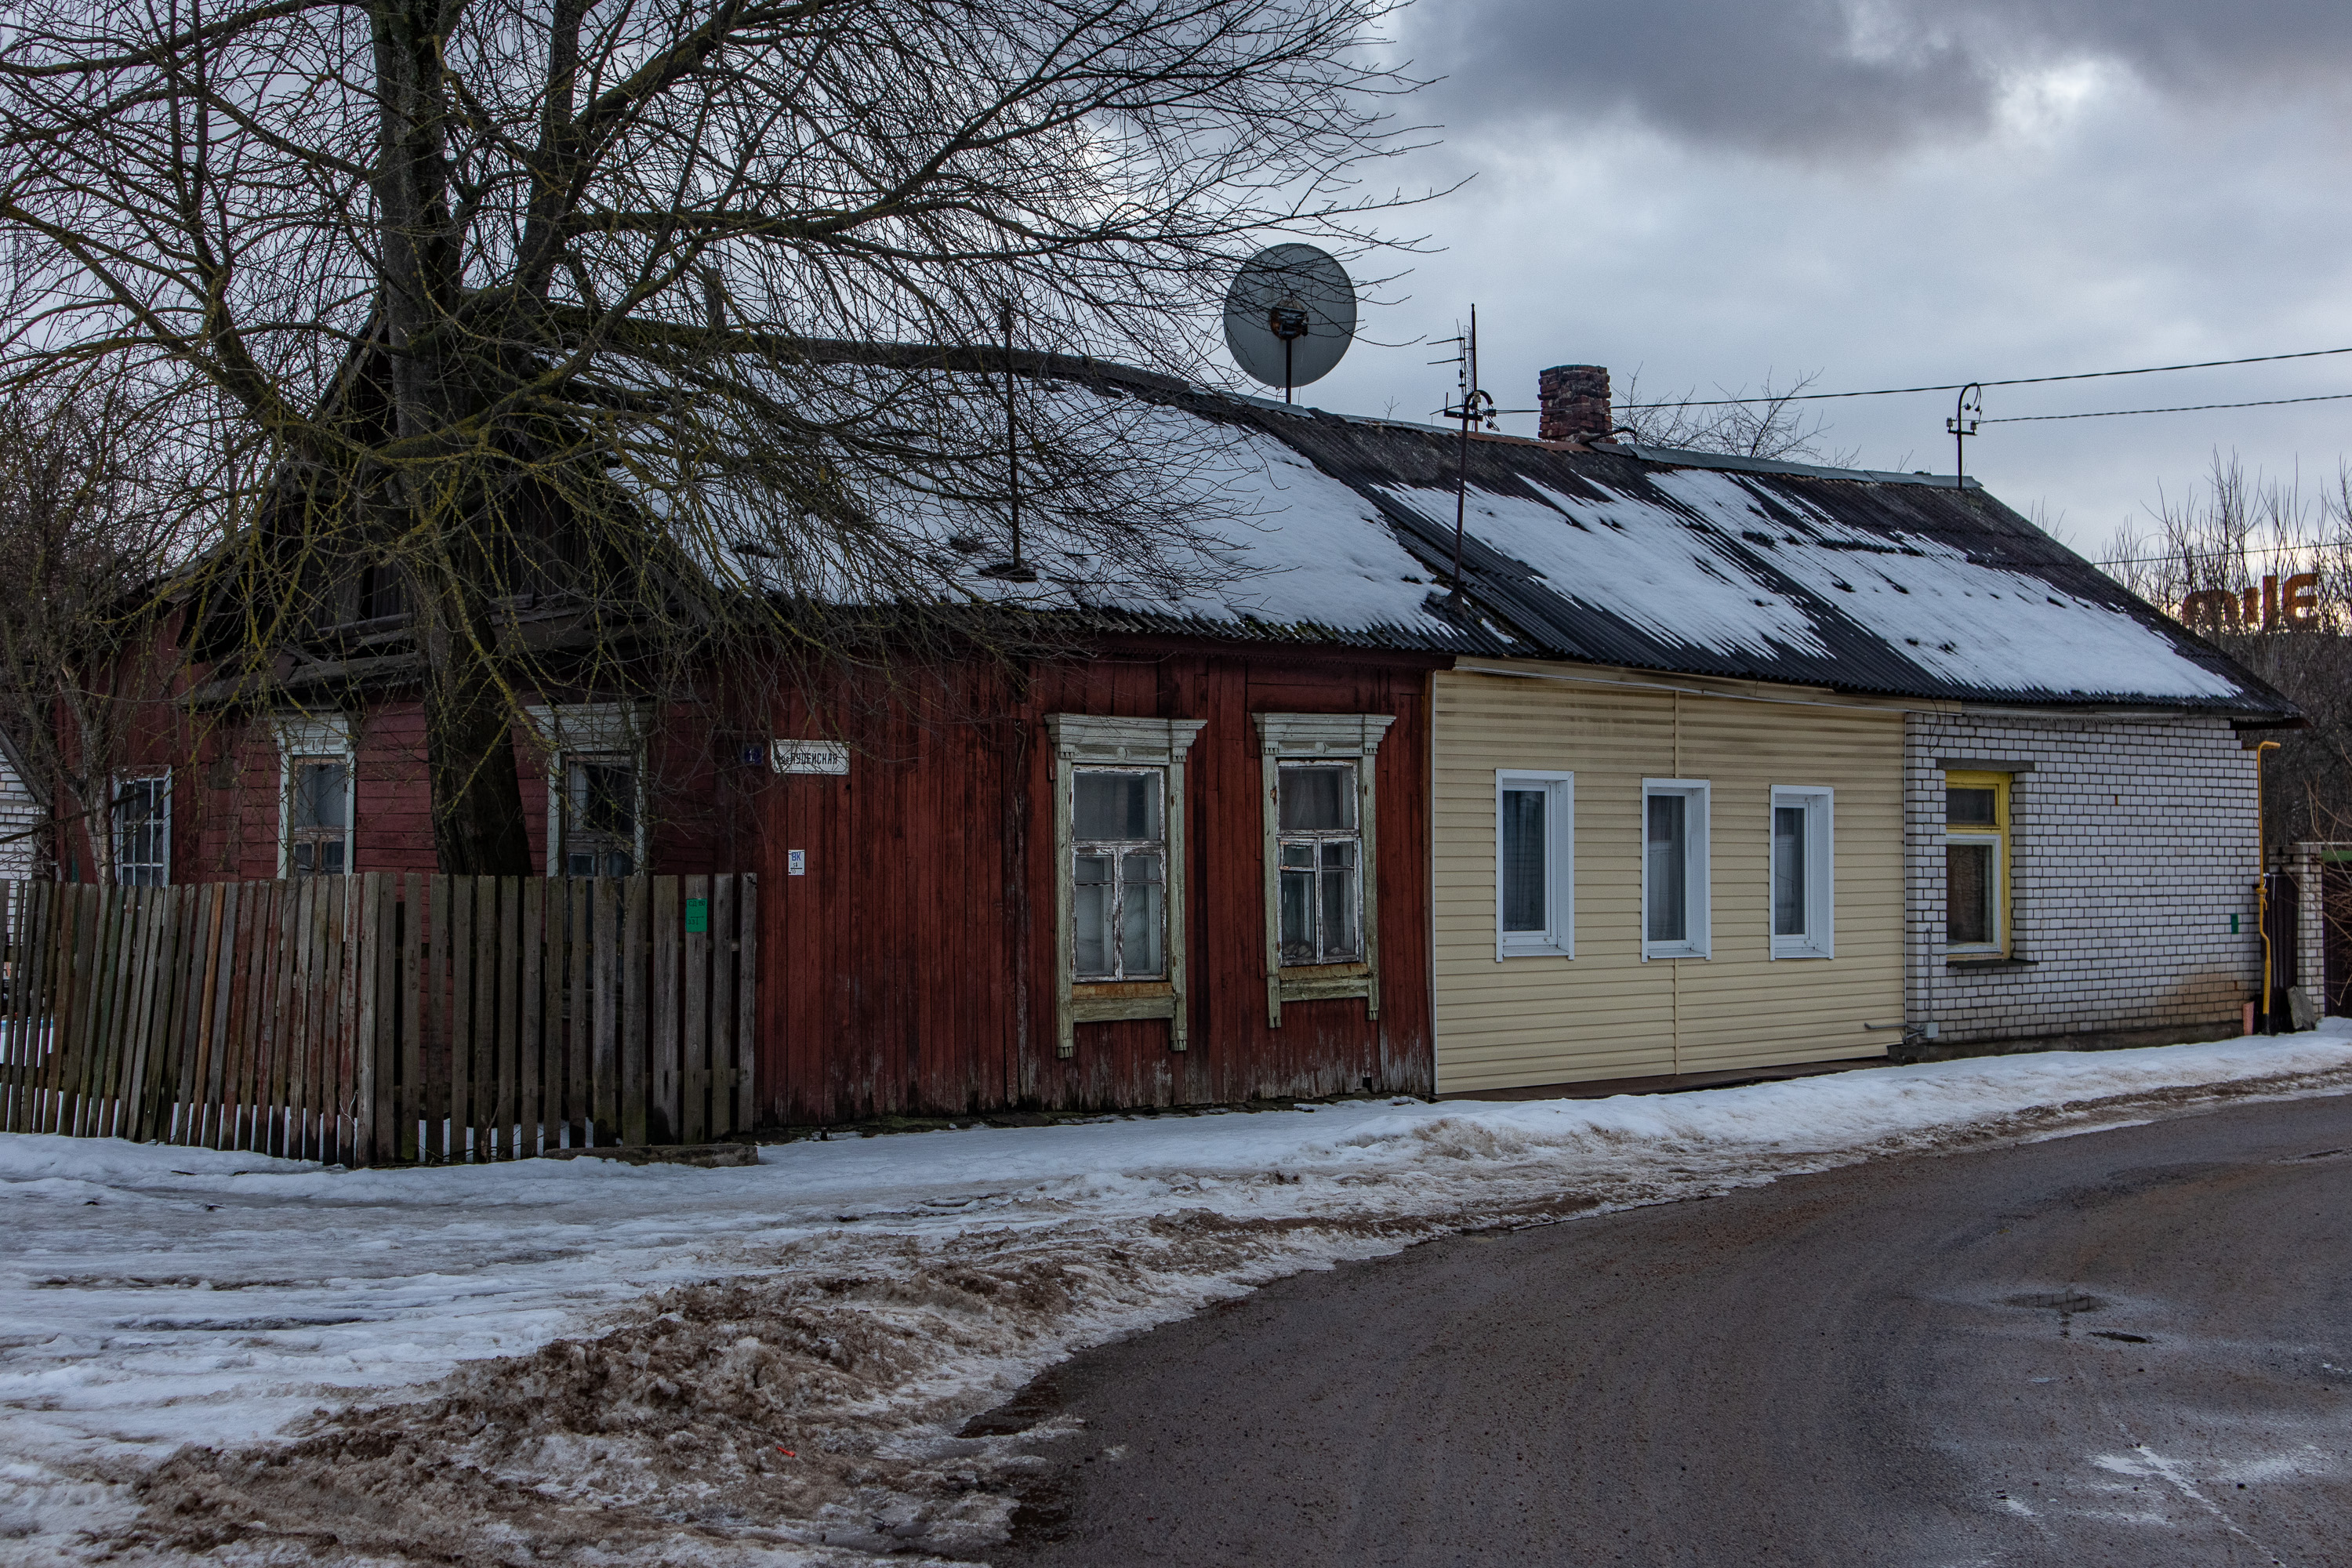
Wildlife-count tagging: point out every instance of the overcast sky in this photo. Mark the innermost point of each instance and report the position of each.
(1712, 191)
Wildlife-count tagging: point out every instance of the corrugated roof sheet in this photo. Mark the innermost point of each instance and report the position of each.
(1891, 583)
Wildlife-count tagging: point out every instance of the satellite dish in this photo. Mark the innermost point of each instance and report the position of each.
(1289, 315)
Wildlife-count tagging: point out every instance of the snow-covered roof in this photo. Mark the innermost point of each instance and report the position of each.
(1897, 584)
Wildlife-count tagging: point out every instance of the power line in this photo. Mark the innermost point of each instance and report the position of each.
(2184, 408)
(2241, 559)
(2013, 381)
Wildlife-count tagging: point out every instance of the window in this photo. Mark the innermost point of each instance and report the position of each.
(1675, 914)
(143, 831)
(1801, 869)
(1976, 863)
(1119, 913)
(318, 816)
(1322, 859)
(1322, 925)
(1535, 899)
(1118, 852)
(599, 817)
(315, 780)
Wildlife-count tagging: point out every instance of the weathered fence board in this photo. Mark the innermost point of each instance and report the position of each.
(378, 1020)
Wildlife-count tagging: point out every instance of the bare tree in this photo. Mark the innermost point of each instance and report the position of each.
(1772, 423)
(81, 549)
(544, 344)
(2222, 558)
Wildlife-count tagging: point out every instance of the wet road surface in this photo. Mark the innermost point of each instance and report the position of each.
(2131, 1347)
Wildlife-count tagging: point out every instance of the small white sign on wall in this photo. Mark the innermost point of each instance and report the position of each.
(796, 863)
(809, 756)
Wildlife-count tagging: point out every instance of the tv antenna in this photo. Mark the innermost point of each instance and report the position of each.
(1966, 414)
(1476, 409)
(1018, 569)
(1289, 316)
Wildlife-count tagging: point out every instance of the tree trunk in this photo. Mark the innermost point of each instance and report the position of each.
(478, 824)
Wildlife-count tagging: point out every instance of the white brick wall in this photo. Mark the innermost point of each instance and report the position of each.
(2134, 843)
(18, 815)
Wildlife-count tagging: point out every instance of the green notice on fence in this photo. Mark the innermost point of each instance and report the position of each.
(698, 914)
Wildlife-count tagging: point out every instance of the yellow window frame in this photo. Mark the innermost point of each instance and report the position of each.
(2000, 783)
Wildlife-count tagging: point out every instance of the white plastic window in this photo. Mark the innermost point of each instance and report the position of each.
(1674, 910)
(1534, 886)
(1802, 870)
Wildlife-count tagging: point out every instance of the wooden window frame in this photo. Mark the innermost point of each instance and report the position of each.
(1698, 928)
(587, 732)
(1118, 850)
(1557, 939)
(2001, 836)
(1819, 939)
(314, 738)
(1311, 737)
(115, 826)
(1087, 740)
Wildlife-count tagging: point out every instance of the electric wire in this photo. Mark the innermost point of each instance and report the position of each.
(2011, 380)
(2184, 408)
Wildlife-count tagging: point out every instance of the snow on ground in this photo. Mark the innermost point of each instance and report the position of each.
(256, 1360)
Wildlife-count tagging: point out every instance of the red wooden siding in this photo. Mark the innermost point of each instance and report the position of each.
(910, 970)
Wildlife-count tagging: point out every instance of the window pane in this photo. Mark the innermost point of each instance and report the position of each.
(1114, 805)
(1970, 807)
(1667, 849)
(1092, 901)
(1523, 860)
(1318, 799)
(1968, 895)
(1789, 870)
(331, 857)
(1339, 897)
(604, 798)
(319, 792)
(1142, 917)
(1298, 912)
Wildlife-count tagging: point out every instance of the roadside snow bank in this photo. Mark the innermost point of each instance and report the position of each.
(640, 1365)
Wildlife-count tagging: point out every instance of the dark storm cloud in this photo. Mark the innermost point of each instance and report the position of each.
(1842, 77)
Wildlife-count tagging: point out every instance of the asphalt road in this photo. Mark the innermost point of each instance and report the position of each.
(2131, 1347)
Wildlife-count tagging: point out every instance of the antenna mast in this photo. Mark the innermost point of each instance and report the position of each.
(1966, 413)
(1018, 569)
(1473, 407)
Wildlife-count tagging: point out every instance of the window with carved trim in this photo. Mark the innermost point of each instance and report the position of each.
(1322, 883)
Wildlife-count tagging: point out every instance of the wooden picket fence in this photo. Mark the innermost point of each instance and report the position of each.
(381, 1018)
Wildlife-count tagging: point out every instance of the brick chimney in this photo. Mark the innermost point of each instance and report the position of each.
(1575, 402)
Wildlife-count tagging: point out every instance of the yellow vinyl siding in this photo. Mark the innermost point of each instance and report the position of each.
(1606, 1013)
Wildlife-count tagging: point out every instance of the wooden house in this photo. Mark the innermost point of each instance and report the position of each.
(1705, 765)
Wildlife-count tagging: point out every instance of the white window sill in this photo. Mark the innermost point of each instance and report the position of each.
(1532, 950)
(1673, 950)
(1798, 950)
